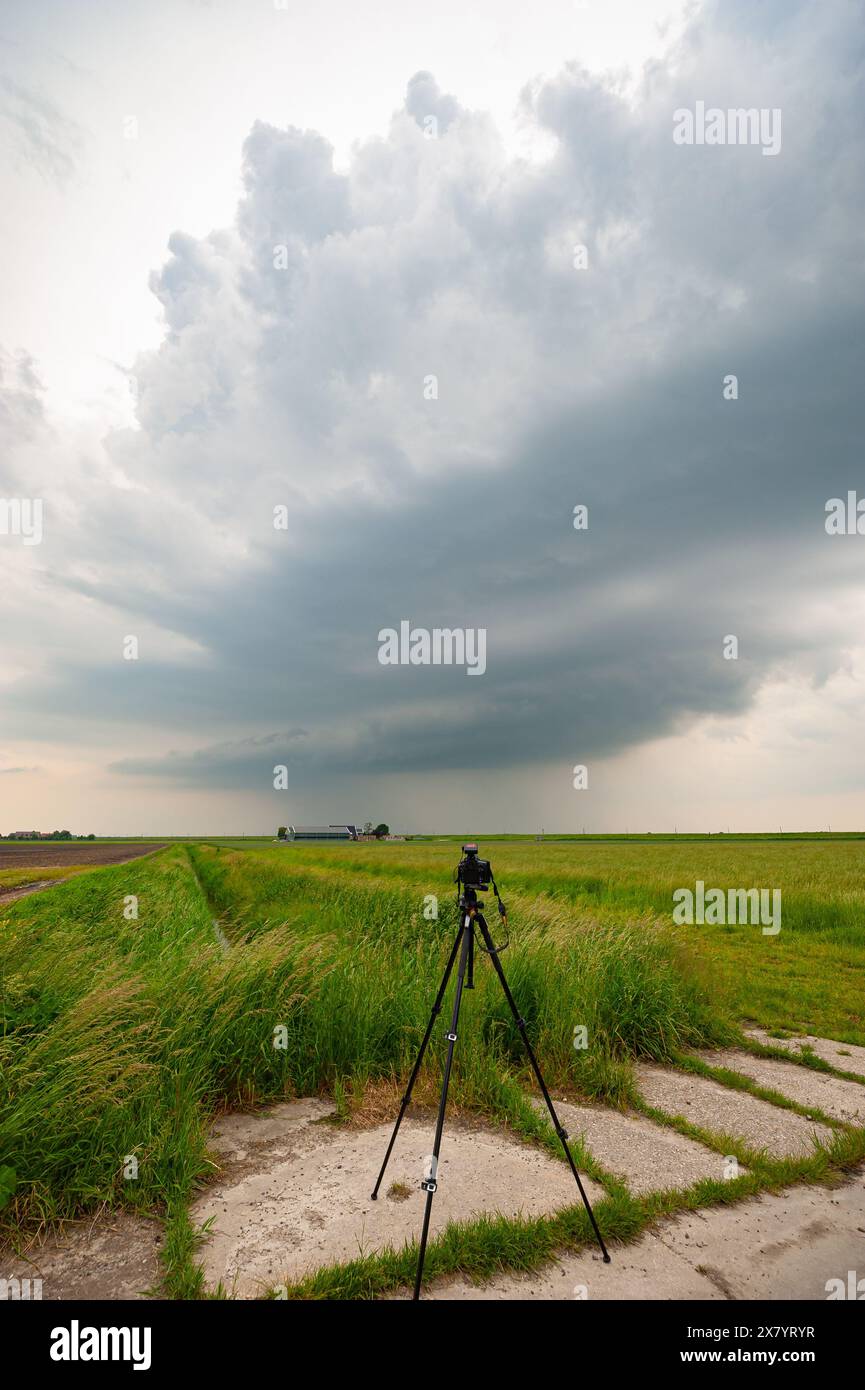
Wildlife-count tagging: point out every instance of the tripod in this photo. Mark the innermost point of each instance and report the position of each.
(471, 916)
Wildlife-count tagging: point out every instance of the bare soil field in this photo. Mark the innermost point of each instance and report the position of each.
(48, 857)
(51, 854)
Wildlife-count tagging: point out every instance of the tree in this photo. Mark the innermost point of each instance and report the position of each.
(381, 830)
(367, 829)
(282, 832)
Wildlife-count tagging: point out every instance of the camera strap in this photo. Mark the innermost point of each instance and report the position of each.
(503, 913)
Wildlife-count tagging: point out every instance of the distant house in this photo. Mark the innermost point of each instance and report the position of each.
(24, 835)
(321, 832)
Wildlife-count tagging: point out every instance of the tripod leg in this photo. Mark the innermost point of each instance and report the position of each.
(560, 1131)
(436, 1010)
(431, 1183)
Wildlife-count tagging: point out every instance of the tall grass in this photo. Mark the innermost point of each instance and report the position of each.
(808, 978)
(120, 1038)
(822, 883)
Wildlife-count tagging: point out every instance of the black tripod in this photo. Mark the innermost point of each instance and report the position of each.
(471, 916)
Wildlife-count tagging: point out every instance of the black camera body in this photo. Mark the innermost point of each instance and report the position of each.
(474, 872)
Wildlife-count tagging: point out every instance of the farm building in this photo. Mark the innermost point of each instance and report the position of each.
(321, 832)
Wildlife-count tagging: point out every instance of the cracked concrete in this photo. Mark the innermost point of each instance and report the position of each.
(786, 1245)
(647, 1156)
(714, 1107)
(843, 1056)
(842, 1100)
(295, 1195)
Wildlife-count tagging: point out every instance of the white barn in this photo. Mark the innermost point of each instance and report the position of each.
(321, 832)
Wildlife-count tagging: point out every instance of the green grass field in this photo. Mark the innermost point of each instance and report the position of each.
(122, 1036)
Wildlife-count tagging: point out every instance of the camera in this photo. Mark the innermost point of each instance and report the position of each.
(474, 872)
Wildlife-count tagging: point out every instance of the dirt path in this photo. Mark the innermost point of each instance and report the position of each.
(115, 1255)
(8, 895)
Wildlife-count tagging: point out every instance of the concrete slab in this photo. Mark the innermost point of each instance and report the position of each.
(648, 1157)
(299, 1197)
(843, 1100)
(237, 1138)
(844, 1056)
(787, 1245)
(110, 1256)
(784, 1245)
(645, 1270)
(714, 1107)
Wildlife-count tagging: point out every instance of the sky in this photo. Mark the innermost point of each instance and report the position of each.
(320, 320)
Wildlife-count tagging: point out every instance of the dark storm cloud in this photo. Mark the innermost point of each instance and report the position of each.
(303, 385)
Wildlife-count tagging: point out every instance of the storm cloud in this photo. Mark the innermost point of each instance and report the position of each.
(429, 359)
